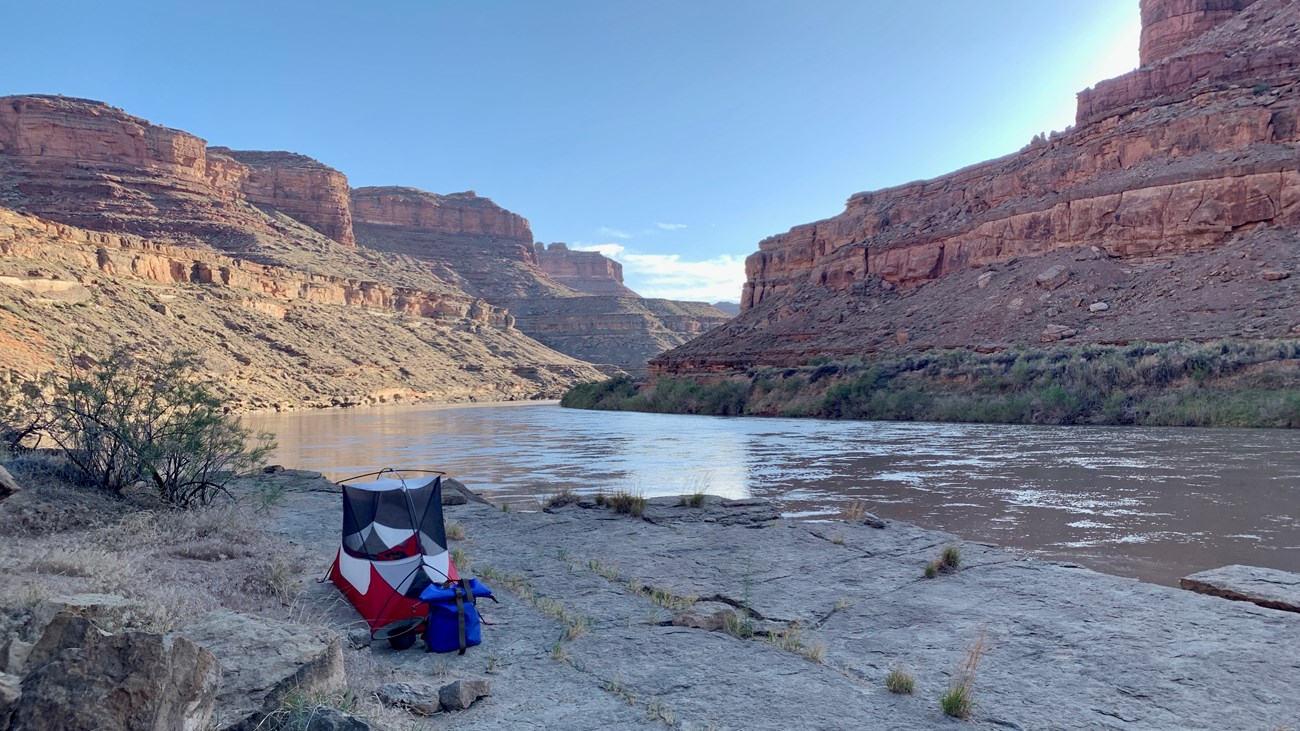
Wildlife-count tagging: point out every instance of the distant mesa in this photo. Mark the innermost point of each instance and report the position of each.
(589, 272)
(456, 214)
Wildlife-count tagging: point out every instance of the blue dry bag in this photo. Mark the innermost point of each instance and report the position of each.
(454, 623)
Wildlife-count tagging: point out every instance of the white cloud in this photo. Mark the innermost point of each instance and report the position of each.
(671, 226)
(607, 231)
(669, 276)
(610, 250)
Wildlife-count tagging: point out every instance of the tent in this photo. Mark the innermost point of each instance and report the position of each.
(394, 545)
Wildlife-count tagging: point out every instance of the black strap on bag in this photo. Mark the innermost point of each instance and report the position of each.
(460, 616)
(460, 608)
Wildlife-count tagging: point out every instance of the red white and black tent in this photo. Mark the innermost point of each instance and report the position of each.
(393, 546)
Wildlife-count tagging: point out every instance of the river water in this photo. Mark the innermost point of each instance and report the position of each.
(1154, 504)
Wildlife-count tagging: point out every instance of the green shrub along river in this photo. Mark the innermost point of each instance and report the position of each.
(1227, 383)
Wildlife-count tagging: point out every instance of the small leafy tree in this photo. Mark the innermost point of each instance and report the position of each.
(122, 420)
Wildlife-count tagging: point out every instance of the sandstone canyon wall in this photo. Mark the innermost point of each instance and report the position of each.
(113, 199)
(89, 164)
(315, 194)
(622, 331)
(118, 232)
(585, 271)
(489, 248)
(574, 302)
(1167, 166)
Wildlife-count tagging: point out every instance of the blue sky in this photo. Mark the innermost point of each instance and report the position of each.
(674, 135)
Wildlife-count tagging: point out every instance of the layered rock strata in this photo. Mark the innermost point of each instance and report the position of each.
(272, 337)
(112, 196)
(122, 256)
(574, 302)
(486, 248)
(1198, 148)
(625, 332)
(312, 193)
(88, 164)
(589, 272)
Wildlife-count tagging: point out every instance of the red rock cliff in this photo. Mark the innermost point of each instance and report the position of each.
(1169, 25)
(1174, 175)
(585, 271)
(489, 249)
(89, 164)
(305, 189)
(1198, 148)
(456, 214)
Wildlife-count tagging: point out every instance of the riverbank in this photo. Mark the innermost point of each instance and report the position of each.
(584, 636)
(1150, 503)
(1227, 383)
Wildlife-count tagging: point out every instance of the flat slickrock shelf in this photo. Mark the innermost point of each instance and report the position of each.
(1266, 587)
(584, 636)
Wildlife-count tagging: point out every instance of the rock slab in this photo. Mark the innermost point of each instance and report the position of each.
(128, 681)
(461, 694)
(264, 660)
(420, 698)
(1266, 587)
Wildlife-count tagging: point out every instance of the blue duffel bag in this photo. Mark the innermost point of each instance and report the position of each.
(454, 622)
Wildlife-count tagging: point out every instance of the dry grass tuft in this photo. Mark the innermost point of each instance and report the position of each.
(854, 511)
(900, 681)
(948, 562)
(694, 500)
(455, 530)
(278, 579)
(959, 701)
(566, 496)
(627, 503)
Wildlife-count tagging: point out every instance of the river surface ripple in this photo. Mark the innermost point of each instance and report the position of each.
(1150, 503)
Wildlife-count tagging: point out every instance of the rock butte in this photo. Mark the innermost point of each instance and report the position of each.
(297, 290)
(572, 301)
(1191, 154)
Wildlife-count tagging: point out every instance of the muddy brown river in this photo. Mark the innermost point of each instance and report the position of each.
(1155, 504)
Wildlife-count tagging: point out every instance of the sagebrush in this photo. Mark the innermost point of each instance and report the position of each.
(121, 421)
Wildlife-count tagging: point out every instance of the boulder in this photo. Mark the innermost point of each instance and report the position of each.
(127, 681)
(461, 694)
(1052, 277)
(8, 487)
(1274, 275)
(708, 616)
(1098, 307)
(64, 632)
(420, 698)
(1266, 587)
(874, 521)
(451, 485)
(1053, 333)
(264, 660)
(108, 612)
